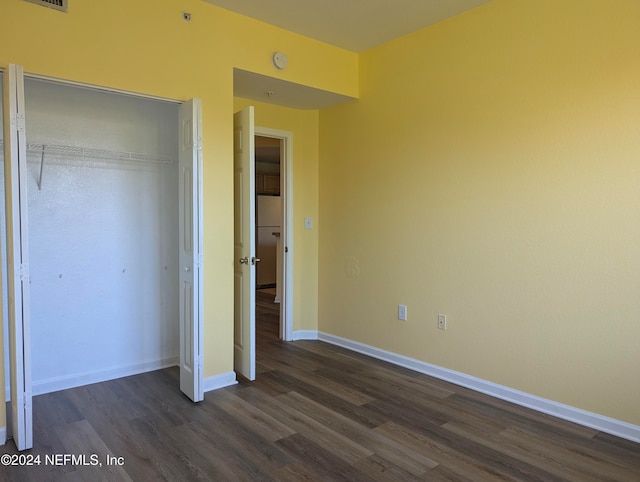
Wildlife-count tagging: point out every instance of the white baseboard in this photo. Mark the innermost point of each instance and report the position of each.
(305, 335)
(3, 435)
(588, 419)
(220, 381)
(87, 378)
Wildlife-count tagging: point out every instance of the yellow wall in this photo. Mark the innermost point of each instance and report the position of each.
(490, 172)
(146, 47)
(304, 126)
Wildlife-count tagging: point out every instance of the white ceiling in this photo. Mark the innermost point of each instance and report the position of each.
(354, 25)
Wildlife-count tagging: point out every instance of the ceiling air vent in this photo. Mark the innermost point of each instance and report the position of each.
(61, 5)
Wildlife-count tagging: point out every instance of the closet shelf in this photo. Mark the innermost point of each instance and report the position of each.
(88, 152)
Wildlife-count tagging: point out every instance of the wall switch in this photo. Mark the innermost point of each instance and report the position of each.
(308, 223)
(402, 312)
(442, 321)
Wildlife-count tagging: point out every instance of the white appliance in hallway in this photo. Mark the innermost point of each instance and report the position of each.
(269, 221)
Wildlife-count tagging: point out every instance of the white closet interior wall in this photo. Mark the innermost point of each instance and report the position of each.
(102, 236)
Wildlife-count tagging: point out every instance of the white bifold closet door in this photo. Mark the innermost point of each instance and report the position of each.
(191, 301)
(15, 155)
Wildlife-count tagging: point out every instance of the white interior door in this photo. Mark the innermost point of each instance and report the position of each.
(190, 178)
(244, 244)
(17, 256)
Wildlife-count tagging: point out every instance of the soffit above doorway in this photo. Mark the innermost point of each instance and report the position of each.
(262, 88)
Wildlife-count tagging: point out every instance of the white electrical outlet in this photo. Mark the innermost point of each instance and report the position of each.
(402, 312)
(442, 321)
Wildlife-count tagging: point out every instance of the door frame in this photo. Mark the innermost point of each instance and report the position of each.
(198, 200)
(286, 254)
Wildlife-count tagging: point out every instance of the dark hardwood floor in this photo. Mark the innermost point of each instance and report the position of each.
(315, 412)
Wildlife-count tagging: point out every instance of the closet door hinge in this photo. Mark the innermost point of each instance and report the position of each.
(24, 401)
(20, 122)
(23, 272)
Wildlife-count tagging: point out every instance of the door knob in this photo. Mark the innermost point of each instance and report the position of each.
(255, 260)
(187, 269)
(244, 260)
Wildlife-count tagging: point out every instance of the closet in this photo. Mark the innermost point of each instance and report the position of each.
(103, 234)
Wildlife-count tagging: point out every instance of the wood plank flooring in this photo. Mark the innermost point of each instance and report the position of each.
(315, 412)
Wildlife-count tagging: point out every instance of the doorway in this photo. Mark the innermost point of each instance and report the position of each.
(269, 215)
(280, 146)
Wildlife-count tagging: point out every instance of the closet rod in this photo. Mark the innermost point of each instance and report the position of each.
(89, 152)
(41, 168)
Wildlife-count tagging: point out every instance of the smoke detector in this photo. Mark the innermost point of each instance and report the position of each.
(280, 60)
(61, 5)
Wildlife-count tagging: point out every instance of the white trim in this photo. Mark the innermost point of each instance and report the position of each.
(3, 435)
(87, 378)
(286, 168)
(588, 419)
(305, 335)
(220, 381)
